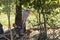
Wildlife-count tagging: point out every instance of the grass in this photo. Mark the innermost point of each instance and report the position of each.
(4, 20)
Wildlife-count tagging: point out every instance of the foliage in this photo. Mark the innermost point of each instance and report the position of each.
(48, 5)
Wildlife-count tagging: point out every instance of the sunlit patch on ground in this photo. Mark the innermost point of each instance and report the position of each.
(53, 33)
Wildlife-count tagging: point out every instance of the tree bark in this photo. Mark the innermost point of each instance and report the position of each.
(18, 21)
(45, 30)
(18, 18)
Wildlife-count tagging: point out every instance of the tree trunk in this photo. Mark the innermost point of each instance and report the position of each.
(45, 30)
(18, 21)
(18, 18)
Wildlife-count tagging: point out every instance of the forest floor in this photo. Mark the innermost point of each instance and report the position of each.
(35, 34)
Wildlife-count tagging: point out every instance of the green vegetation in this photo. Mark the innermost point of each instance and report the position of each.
(43, 14)
(4, 20)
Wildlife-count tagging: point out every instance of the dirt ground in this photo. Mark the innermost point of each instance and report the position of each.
(51, 35)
